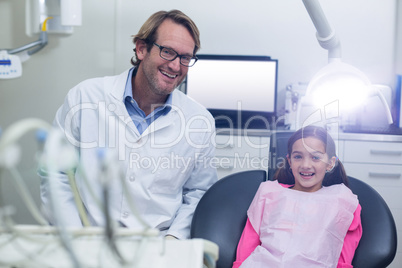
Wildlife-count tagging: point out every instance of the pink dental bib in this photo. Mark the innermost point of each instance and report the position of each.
(300, 229)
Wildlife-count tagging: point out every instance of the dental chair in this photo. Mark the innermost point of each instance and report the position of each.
(222, 213)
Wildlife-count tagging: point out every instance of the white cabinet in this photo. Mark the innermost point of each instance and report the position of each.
(377, 152)
(235, 153)
(379, 164)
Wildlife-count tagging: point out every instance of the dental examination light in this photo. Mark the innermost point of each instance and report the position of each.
(338, 89)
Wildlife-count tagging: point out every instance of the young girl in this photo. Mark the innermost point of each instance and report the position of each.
(306, 217)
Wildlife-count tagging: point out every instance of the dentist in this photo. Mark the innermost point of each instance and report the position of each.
(162, 140)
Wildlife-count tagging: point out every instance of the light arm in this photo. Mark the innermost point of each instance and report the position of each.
(326, 36)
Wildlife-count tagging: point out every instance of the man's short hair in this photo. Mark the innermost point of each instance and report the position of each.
(147, 33)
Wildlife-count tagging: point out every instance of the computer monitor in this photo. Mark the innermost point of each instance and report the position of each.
(239, 91)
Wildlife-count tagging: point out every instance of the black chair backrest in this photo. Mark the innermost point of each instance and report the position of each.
(221, 214)
(278, 149)
(377, 247)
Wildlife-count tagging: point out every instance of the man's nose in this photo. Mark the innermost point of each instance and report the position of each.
(175, 64)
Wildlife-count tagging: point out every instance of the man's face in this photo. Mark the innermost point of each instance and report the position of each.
(162, 76)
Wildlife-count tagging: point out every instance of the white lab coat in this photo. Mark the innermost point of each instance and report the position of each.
(167, 169)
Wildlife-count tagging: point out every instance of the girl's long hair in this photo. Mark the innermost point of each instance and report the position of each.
(336, 176)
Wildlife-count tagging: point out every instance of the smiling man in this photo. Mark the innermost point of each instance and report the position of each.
(161, 140)
(165, 56)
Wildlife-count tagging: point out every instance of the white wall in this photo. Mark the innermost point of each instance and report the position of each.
(48, 75)
(280, 29)
(102, 46)
(398, 46)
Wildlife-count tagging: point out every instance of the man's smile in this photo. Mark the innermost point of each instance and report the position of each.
(172, 76)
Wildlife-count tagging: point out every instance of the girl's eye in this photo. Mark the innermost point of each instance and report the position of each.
(316, 157)
(297, 156)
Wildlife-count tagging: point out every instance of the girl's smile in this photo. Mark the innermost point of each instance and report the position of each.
(309, 162)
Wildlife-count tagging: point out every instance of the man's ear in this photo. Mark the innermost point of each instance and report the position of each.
(141, 49)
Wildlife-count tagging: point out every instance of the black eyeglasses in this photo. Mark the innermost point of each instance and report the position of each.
(170, 55)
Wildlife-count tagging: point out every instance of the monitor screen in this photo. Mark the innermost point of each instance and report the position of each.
(239, 91)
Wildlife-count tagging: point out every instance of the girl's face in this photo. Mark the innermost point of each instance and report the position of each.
(309, 163)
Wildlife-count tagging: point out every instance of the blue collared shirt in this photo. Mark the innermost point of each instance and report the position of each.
(141, 121)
